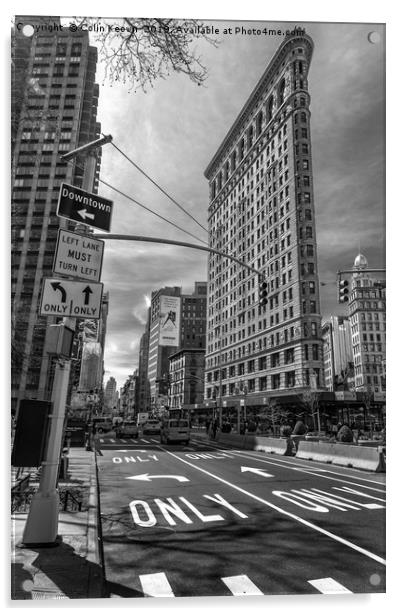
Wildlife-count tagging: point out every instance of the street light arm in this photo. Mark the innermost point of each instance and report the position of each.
(87, 147)
(159, 240)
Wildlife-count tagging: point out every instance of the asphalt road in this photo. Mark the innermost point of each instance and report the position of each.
(205, 520)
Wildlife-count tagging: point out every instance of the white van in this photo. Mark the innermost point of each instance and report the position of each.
(175, 430)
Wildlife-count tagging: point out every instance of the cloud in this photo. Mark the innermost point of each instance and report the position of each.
(172, 133)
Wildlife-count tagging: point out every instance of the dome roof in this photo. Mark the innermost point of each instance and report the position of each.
(360, 261)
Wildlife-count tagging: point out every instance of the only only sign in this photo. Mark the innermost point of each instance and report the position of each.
(79, 256)
(70, 298)
(82, 206)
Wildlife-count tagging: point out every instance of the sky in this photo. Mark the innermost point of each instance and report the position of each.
(173, 130)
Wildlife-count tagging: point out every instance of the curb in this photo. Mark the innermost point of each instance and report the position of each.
(96, 578)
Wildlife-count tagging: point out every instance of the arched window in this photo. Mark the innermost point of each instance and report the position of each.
(281, 92)
(258, 124)
(241, 149)
(250, 136)
(270, 108)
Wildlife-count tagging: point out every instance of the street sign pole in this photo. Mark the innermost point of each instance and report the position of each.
(43, 518)
(42, 523)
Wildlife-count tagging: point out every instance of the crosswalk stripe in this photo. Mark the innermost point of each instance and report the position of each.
(329, 586)
(123, 440)
(156, 585)
(112, 440)
(101, 440)
(144, 441)
(241, 585)
(154, 440)
(133, 440)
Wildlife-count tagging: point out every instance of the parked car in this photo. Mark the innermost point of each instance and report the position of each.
(103, 424)
(151, 426)
(175, 430)
(127, 428)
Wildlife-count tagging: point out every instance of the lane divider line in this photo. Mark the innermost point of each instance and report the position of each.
(156, 585)
(293, 516)
(285, 464)
(329, 586)
(291, 462)
(240, 585)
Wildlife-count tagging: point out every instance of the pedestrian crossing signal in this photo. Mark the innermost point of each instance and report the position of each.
(343, 291)
(262, 292)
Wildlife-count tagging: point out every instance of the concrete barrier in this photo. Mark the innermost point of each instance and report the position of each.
(365, 458)
(281, 446)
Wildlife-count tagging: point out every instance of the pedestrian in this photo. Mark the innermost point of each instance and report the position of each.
(207, 424)
(214, 428)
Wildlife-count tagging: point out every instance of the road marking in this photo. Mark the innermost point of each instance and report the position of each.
(101, 440)
(144, 441)
(282, 511)
(286, 463)
(156, 585)
(111, 440)
(241, 585)
(122, 440)
(256, 471)
(155, 441)
(148, 477)
(329, 586)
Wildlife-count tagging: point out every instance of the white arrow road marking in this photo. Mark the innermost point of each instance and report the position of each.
(256, 471)
(329, 586)
(148, 477)
(156, 585)
(241, 585)
(130, 450)
(84, 214)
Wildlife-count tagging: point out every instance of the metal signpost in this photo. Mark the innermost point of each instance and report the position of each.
(77, 256)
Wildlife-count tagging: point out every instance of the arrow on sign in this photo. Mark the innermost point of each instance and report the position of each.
(87, 291)
(148, 477)
(256, 471)
(84, 214)
(57, 287)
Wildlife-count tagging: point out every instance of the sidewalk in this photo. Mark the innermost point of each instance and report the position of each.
(71, 570)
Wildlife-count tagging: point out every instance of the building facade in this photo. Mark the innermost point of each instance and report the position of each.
(186, 378)
(110, 397)
(55, 101)
(262, 211)
(367, 317)
(338, 354)
(191, 334)
(143, 390)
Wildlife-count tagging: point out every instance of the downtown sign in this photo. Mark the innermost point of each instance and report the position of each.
(84, 207)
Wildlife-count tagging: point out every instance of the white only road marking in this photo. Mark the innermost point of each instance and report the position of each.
(156, 585)
(240, 585)
(144, 441)
(111, 440)
(132, 440)
(122, 440)
(329, 586)
(101, 440)
(282, 511)
(155, 441)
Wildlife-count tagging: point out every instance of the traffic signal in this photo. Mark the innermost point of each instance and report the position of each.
(343, 291)
(262, 292)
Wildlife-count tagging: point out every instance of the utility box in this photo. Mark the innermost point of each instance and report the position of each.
(59, 340)
(31, 433)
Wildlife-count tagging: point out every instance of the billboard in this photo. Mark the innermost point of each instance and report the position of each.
(169, 321)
